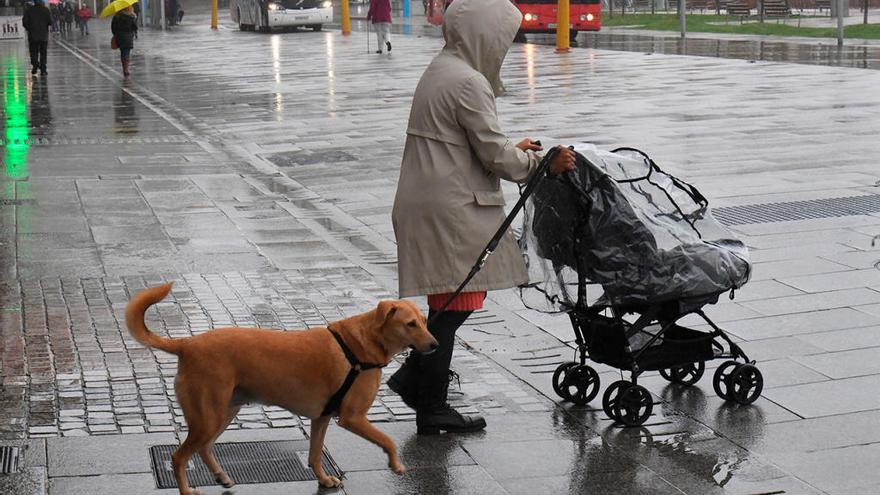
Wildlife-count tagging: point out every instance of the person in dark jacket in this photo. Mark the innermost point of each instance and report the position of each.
(68, 13)
(36, 21)
(124, 28)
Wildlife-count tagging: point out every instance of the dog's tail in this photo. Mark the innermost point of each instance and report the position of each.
(134, 319)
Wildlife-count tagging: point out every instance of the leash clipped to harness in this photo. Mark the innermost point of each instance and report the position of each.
(335, 401)
(526, 191)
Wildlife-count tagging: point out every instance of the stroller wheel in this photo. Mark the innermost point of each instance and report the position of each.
(559, 379)
(719, 380)
(745, 384)
(611, 398)
(627, 403)
(581, 384)
(688, 374)
(636, 405)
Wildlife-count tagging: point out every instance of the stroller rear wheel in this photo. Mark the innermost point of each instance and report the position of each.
(627, 403)
(688, 374)
(575, 382)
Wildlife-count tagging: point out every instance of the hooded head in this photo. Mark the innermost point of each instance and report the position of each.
(481, 32)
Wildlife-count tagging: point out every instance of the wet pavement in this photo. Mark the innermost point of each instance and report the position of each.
(257, 172)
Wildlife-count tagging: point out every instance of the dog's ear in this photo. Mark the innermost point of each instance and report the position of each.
(384, 311)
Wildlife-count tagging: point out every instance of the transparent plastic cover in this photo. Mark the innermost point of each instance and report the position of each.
(635, 233)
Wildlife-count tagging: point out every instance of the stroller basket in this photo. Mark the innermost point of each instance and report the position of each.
(678, 346)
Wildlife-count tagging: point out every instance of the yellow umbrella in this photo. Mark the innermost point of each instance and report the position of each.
(117, 6)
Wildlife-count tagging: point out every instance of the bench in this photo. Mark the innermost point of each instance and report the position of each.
(776, 8)
(738, 9)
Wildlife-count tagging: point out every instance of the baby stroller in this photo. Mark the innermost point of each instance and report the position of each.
(646, 242)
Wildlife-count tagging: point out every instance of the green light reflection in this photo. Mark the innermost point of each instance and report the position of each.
(15, 93)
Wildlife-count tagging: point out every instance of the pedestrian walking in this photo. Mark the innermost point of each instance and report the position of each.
(68, 14)
(84, 14)
(56, 21)
(449, 201)
(380, 14)
(36, 21)
(124, 28)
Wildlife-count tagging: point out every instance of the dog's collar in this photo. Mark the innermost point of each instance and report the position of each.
(332, 407)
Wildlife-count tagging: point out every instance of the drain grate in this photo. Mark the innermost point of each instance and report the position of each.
(798, 210)
(245, 463)
(9, 457)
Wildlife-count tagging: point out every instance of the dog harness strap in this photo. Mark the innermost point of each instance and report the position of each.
(335, 401)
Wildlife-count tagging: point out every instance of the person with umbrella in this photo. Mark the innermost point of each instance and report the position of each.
(124, 29)
(36, 21)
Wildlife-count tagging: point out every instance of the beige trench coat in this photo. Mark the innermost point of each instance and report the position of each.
(449, 201)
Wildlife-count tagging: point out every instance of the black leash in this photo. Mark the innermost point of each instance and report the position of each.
(524, 194)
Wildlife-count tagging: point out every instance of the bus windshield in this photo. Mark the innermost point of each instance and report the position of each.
(301, 4)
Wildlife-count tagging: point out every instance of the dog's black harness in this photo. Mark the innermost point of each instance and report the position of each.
(332, 407)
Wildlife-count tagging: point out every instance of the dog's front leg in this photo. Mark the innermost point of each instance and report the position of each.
(316, 450)
(361, 426)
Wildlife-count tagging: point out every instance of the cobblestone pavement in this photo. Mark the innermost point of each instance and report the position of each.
(260, 180)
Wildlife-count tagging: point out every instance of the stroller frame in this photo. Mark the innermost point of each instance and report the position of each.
(679, 357)
(624, 401)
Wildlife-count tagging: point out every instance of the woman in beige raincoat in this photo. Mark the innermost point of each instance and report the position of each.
(449, 201)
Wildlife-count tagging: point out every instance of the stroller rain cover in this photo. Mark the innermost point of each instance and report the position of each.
(622, 223)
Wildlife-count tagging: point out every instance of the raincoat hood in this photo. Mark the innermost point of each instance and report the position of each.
(480, 32)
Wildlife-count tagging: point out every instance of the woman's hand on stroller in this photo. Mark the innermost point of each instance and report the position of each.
(529, 145)
(563, 161)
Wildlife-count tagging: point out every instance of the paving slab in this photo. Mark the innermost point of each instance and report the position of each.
(87, 456)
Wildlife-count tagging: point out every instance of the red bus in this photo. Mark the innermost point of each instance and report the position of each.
(539, 16)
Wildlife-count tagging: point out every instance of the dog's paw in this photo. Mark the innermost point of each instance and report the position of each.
(330, 482)
(224, 480)
(398, 468)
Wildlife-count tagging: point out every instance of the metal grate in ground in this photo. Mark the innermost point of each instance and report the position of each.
(798, 210)
(245, 463)
(9, 457)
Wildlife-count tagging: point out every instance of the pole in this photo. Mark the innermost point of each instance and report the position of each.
(865, 5)
(213, 14)
(839, 22)
(162, 13)
(562, 20)
(346, 19)
(406, 8)
(682, 22)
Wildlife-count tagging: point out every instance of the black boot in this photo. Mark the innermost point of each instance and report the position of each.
(405, 381)
(437, 415)
(433, 413)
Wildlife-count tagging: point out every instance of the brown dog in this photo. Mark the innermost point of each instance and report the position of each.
(219, 371)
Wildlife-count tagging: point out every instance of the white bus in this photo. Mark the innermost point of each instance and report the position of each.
(263, 15)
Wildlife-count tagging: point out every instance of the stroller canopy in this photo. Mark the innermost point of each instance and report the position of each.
(620, 222)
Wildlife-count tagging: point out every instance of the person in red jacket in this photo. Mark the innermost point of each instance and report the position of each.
(380, 14)
(84, 14)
